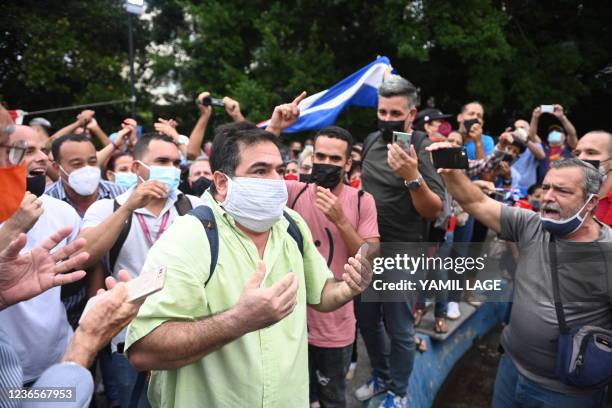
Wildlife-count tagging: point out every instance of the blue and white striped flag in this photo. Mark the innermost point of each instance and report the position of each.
(358, 89)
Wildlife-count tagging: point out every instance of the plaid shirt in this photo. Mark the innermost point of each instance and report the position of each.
(489, 163)
(76, 303)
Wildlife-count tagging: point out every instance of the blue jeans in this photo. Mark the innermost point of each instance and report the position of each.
(125, 376)
(111, 388)
(390, 345)
(514, 390)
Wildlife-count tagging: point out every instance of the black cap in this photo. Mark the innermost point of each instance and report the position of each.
(429, 114)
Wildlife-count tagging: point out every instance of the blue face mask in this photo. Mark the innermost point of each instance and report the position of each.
(555, 137)
(125, 179)
(562, 228)
(169, 175)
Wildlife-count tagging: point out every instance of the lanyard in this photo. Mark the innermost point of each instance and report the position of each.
(145, 229)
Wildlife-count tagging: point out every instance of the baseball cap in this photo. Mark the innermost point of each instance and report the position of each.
(427, 115)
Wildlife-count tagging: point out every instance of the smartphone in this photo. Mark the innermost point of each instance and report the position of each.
(467, 124)
(207, 101)
(139, 288)
(450, 158)
(147, 283)
(547, 108)
(402, 139)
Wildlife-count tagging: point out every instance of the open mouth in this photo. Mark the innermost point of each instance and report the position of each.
(550, 213)
(36, 172)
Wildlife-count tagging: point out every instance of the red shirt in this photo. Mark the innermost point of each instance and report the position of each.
(604, 209)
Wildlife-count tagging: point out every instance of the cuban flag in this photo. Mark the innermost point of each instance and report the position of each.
(359, 89)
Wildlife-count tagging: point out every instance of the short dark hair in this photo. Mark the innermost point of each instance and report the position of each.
(336, 132)
(464, 107)
(532, 189)
(57, 143)
(142, 145)
(222, 131)
(225, 155)
(112, 162)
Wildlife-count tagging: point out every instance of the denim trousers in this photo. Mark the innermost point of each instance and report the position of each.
(125, 377)
(513, 390)
(388, 331)
(328, 368)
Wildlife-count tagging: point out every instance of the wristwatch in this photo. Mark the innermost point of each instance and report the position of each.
(414, 184)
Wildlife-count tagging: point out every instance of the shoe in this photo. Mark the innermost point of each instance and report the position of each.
(452, 312)
(394, 401)
(375, 385)
(351, 371)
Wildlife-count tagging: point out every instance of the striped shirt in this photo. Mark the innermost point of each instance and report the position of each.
(11, 374)
(106, 189)
(479, 166)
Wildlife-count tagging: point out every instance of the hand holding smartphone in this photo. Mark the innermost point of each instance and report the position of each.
(450, 158)
(402, 139)
(547, 108)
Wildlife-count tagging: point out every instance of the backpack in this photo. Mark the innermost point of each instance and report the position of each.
(206, 216)
(182, 205)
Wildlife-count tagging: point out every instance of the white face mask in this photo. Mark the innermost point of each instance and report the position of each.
(84, 181)
(255, 203)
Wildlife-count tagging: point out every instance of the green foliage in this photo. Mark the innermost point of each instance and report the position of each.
(510, 54)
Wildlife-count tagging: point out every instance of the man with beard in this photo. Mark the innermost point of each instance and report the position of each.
(341, 218)
(408, 193)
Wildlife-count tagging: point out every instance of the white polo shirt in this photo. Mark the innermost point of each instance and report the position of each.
(38, 328)
(136, 247)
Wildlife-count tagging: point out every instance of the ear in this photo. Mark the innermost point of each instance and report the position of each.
(348, 165)
(110, 175)
(221, 186)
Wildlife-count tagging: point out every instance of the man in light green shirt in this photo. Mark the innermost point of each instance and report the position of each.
(241, 339)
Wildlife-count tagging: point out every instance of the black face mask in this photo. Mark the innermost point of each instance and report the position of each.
(594, 163)
(200, 185)
(326, 175)
(296, 152)
(304, 178)
(387, 127)
(36, 184)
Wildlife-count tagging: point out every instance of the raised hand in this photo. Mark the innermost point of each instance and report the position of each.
(285, 115)
(27, 275)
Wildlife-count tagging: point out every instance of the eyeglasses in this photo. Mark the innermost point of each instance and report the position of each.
(16, 151)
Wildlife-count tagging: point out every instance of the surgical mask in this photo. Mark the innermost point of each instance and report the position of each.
(255, 203)
(326, 175)
(554, 137)
(387, 127)
(36, 184)
(125, 179)
(169, 175)
(84, 181)
(562, 228)
(12, 189)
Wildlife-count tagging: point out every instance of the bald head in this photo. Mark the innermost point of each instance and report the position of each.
(595, 145)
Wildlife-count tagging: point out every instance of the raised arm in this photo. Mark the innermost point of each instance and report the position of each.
(197, 134)
(470, 197)
(285, 115)
(570, 130)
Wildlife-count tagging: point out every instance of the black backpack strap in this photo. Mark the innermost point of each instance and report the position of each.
(552, 250)
(206, 216)
(113, 254)
(298, 196)
(183, 204)
(295, 232)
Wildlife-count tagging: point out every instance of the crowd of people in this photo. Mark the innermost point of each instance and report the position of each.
(265, 246)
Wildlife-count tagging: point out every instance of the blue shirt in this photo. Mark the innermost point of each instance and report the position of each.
(488, 144)
(527, 166)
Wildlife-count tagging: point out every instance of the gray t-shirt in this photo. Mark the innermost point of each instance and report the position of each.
(398, 220)
(530, 337)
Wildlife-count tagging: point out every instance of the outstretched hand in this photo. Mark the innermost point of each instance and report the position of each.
(25, 276)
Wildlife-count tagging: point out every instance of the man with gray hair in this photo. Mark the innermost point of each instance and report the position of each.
(596, 147)
(526, 375)
(408, 194)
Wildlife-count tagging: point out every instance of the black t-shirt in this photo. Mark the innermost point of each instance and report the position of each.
(398, 220)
